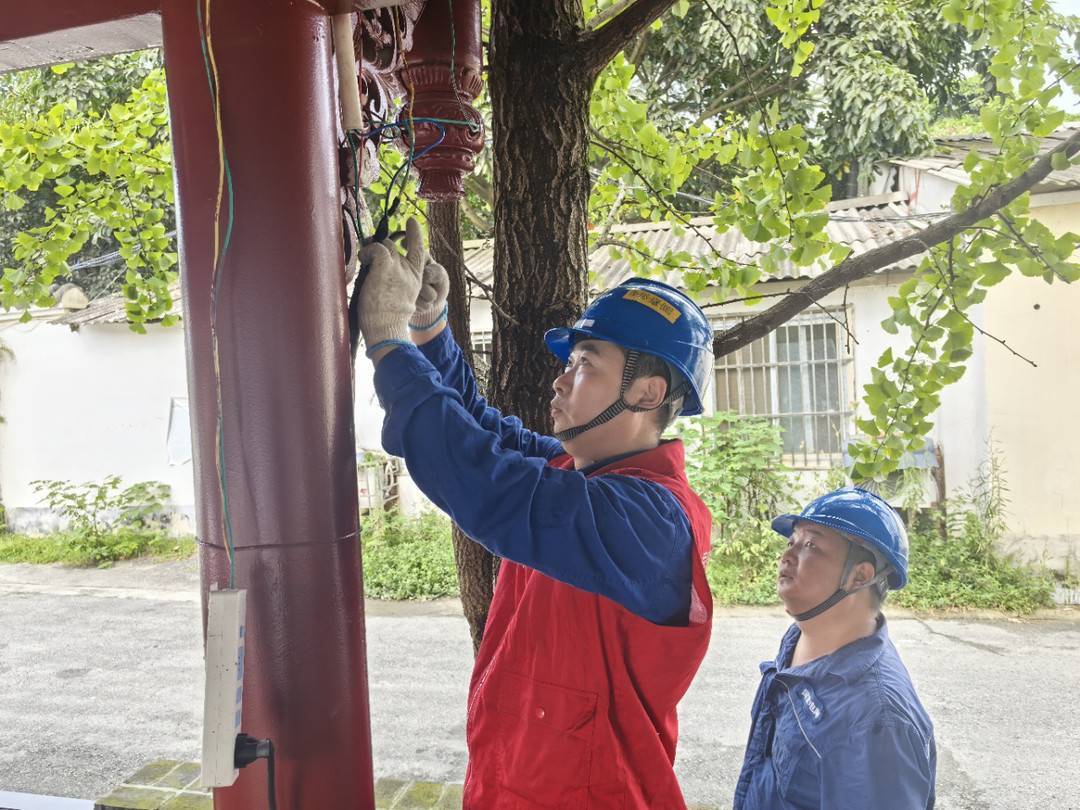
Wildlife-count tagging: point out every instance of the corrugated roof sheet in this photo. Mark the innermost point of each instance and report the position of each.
(871, 223)
(948, 161)
(109, 309)
(860, 228)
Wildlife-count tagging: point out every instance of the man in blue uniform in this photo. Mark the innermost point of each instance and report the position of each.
(602, 612)
(836, 723)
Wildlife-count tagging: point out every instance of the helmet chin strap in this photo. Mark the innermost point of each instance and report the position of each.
(620, 405)
(841, 592)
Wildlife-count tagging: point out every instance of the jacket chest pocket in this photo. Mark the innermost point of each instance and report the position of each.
(545, 755)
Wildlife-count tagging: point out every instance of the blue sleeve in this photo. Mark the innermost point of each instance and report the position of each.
(887, 762)
(621, 537)
(445, 355)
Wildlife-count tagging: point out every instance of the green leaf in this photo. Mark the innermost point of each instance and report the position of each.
(1052, 121)
(993, 273)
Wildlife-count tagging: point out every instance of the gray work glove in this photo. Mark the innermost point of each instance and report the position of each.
(431, 303)
(388, 297)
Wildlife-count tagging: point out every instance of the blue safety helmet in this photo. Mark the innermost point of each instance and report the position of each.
(865, 515)
(654, 318)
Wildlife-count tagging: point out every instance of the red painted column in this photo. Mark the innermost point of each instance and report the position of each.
(285, 387)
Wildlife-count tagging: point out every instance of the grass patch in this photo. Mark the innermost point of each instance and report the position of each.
(408, 558)
(962, 572)
(742, 570)
(71, 549)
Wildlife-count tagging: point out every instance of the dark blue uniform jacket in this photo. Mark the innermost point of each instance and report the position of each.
(843, 732)
(616, 535)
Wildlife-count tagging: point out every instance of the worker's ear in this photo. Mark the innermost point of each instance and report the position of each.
(860, 575)
(647, 392)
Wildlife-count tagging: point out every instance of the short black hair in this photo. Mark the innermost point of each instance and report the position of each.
(649, 365)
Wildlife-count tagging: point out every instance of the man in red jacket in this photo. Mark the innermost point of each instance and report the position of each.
(602, 612)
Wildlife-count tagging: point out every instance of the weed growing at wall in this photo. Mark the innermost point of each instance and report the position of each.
(962, 567)
(105, 520)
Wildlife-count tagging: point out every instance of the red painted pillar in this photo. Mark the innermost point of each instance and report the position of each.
(285, 386)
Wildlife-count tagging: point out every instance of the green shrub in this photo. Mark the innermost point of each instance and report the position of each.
(65, 549)
(962, 567)
(746, 580)
(107, 521)
(408, 558)
(960, 572)
(733, 463)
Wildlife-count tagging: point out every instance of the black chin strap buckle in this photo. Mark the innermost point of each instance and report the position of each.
(817, 611)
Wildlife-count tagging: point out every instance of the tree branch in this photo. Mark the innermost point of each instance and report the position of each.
(717, 108)
(609, 14)
(481, 188)
(865, 264)
(601, 45)
(720, 104)
(478, 222)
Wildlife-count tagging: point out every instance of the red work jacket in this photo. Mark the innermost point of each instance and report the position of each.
(572, 700)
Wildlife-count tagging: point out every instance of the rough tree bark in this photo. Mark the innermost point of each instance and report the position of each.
(542, 65)
(540, 94)
(476, 567)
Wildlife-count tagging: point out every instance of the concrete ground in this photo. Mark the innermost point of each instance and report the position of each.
(101, 673)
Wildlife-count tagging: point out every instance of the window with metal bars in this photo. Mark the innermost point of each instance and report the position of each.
(799, 377)
(481, 360)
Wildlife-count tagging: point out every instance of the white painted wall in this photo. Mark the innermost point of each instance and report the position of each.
(1029, 409)
(84, 405)
(1023, 412)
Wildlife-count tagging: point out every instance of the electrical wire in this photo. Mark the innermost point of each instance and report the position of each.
(271, 781)
(410, 106)
(353, 139)
(106, 258)
(220, 250)
(473, 126)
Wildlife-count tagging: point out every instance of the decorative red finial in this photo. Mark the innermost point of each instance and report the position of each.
(440, 76)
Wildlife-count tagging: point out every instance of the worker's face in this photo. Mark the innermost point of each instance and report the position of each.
(589, 384)
(810, 567)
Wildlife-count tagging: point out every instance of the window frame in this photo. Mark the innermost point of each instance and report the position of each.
(770, 364)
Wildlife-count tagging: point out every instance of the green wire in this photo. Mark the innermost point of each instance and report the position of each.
(214, 302)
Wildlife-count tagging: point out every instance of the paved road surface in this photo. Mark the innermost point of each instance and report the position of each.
(101, 672)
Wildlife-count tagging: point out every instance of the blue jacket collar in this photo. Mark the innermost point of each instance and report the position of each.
(848, 664)
(667, 457)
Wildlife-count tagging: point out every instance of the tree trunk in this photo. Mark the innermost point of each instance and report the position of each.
(476, 566)
(540, 99)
